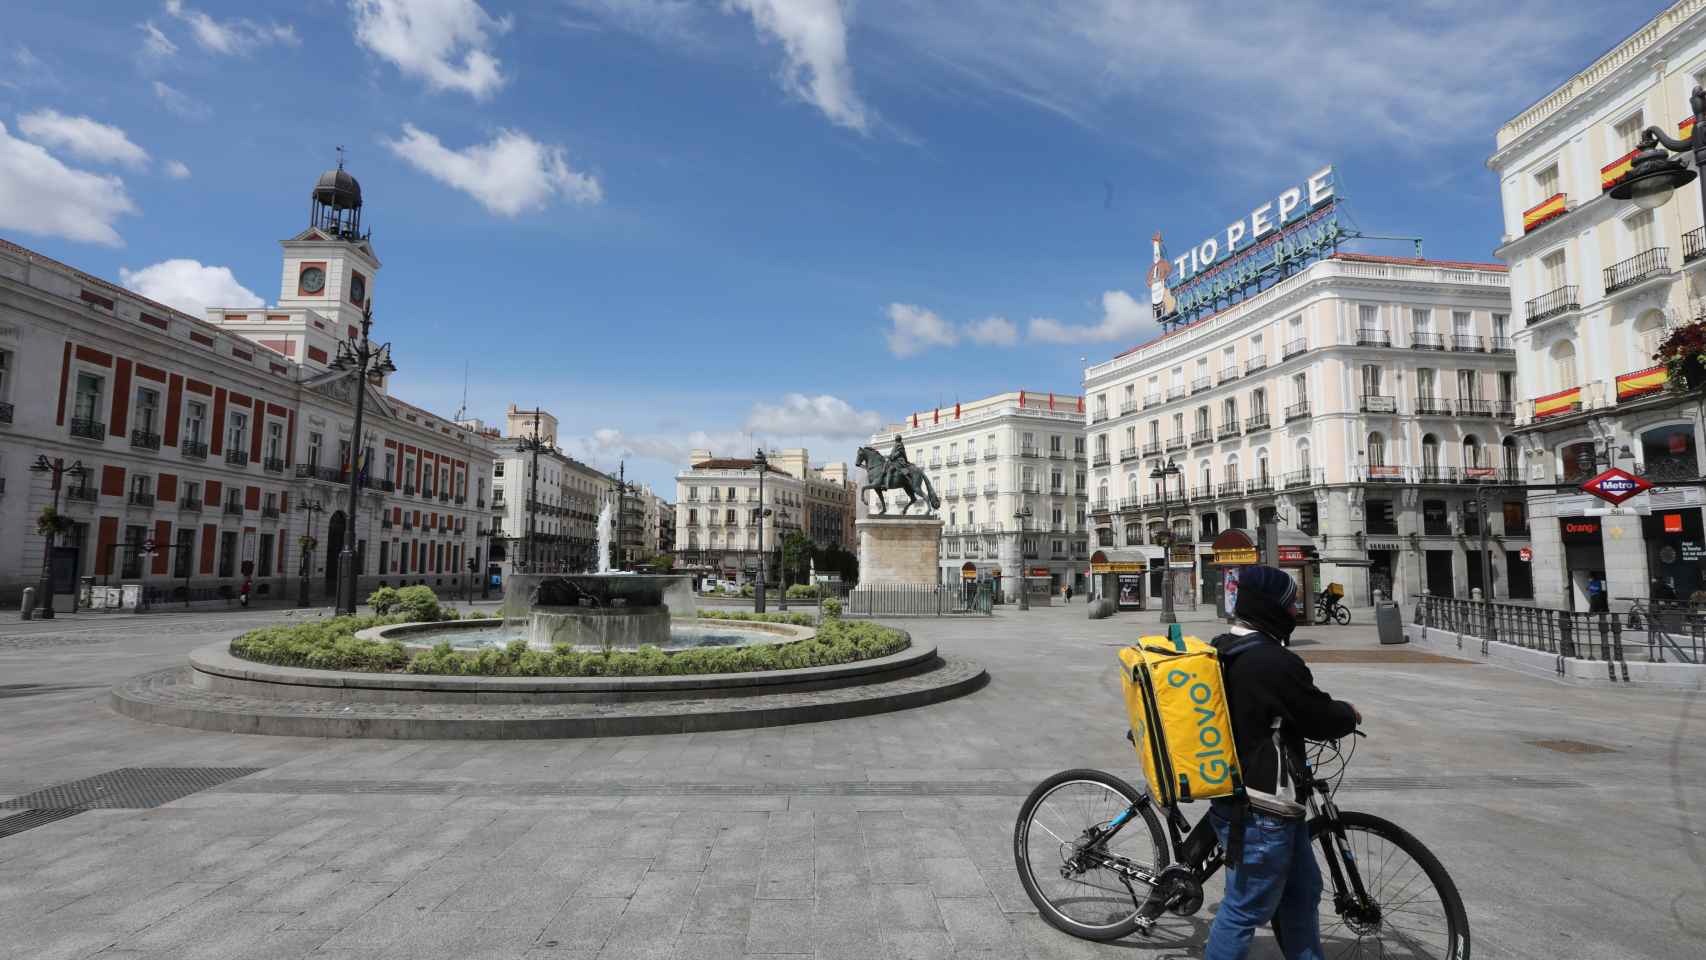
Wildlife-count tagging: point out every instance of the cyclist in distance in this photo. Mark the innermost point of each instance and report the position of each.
(1276, 879)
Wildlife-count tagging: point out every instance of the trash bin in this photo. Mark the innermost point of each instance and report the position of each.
(1389, 622)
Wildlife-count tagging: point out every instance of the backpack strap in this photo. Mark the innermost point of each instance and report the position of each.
(1241, 801)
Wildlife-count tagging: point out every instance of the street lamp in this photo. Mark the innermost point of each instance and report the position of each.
(57, 467)
(311, 507)
(368, 362)
(762, 462)
(1021, 517)
(1161, 473)
(532, 445)
(1655, 175)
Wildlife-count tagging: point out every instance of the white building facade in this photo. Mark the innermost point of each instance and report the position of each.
(991, 460)
(1361, 400)
(1597, 284)
(558, 531)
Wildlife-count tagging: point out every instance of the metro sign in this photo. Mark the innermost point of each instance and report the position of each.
(1615, 486)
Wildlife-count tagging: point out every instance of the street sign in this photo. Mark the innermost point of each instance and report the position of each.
(1526, 554)
(1615, 486)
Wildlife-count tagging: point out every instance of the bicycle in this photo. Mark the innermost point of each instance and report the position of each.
(1144, 875)
(1328, 607)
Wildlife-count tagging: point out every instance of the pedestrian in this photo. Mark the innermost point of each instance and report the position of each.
(243, 593)
(1274, 879)
(1069, 593)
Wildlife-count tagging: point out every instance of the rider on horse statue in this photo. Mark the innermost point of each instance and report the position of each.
(896, 472)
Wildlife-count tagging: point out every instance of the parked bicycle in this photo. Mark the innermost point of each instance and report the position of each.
(1093, 858)
(1330, 606)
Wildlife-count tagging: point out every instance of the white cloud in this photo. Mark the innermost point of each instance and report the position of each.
(993, 332)
(41, 195)
(915, 329)
(236, 36)
(176, 170)
(83, 138)
(1123, 318)
(180, 103)
(823, 415)
(444, 42)
(189, 286)
(508, 176)
(813, 34)
(154, 43)
(27, 70)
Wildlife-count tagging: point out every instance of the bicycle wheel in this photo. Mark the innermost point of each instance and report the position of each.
(1413, 909)
(1342, 614)
(1093, 903)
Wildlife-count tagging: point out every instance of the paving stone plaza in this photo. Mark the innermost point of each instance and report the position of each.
(1569, 816)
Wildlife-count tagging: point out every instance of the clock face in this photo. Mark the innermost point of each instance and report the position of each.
(358, 289)
(313, 280)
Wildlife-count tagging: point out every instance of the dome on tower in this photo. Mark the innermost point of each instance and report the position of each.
(338, 189)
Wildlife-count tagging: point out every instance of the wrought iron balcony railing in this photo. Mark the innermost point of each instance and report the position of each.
(143, 440)
(1152, 448)
(1468, 343)
(234, 507)
(1502, 345)
(272, 464)
(1201, 383)
(1294, 348)
(1128, 408)
(1373, 337)
(140, 498)
(1257, 362)
(1434, 473)
(1230, 488)
(1426, 341)
(236, 458)
(1129, 453)
(1230, 372)
(1297, 411)
(1228, 429)
(82, 492)
(1645, 265)
(1474, 408)
(1176, 392)
(1099, 460)
(86, 429)
(1176, 442)
(1256, 421)
(1201, 436)
(269, 513)
(1553, 303)
(1694, 245)
(1260, 485)
(1433, 407)
(1303, 478)
(191, 504)
(1151, 399)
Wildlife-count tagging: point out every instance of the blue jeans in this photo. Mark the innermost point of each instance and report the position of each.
(1277, 883)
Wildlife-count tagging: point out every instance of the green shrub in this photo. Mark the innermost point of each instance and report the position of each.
(797, 619)
(418, 604)
(831, 609)
(383, 601)
(746, 589)
(802, 591)
(331, 645)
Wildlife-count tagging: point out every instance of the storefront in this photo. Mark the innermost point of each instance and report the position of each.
(1584, 562)
(1676, 552)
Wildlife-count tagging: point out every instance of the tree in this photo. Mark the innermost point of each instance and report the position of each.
(662, 563)
(796, 554)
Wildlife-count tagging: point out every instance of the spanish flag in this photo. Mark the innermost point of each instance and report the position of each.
(1616, 170)
(1564, 401)
(1548, 209)
(1685, 127)
(1641, 382)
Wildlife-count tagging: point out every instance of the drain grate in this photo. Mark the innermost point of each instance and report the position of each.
(133, 788)
(1571, 746)
(30, 819)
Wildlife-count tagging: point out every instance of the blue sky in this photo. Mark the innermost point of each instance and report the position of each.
(717, 222)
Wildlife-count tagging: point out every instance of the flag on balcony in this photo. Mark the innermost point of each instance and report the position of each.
(1641, 382)
(936, 416)
(915, 421)
(1080, 404)
(1547, 210)
(1613, 173)
(1051, 399)
(1685, 127)
(1564, 401)
(956, 409)
(1021, 399)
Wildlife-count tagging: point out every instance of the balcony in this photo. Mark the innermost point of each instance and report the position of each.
(273, 464)
(991, 454)
(83, 493)
(1426, 341)
(139, 498)
(1694, 245)
(269, 513)
(989, 490)
(408, 522)
(1099, 415)
(936, 464)
(1228, 429)
(233, 508)
(1553, 303)
(1229, 488)
(1433, 407)
(1379, 403)
(443, 497)
(1468, 343)
(1151, 400)
(1434, 473)
(1099, 460)
(1474, 408)
(1056, 453)
(237, 458)
(1373, 337)
(1230, 372)
(1131, 504)
(1297, 411)
(1201, 436)
(85, 429)
(1028, 451)
(1152, 448)
(1502, 345)
(194, 450)
(1504, 409)
(5, 412)
(408, 490)
(1256, 421)
(1100, 506)
(1256, 363)
(385, 522)
(1261, 486)
(952, 460)
(143, 440)
(1379, 473)
(1128, 408)
(1638, 269)
(1029, 486)
(1294, 348)
(1302, 478)
(1176, 392)
(1129, 453)
(1176, 442)
(190, 504)
(1201, 383)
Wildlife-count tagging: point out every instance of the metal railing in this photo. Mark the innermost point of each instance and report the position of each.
(1100, 459)
(1256, 421)
(1426, 341)
(1379, 403)
(1152, 448)
(1256, 363)
(194, 449)
(1260, 485)
(1474, 408)
(85, 494)
(1229, 488)
(1297, 410)
(234, 508)
(991, 453)
(1468, 343)
(1293, 348)
(1201, 383)
(1128, 408)
(273, 464)
(1694, 245)
(1230, 372)
(1656, 630)
(88, 429)
(191, 504)
(1027, 451)
(1434, 473)
(1129, 453)
(237, 458)
(1373, 337)
(911, 600)
(269, 513)
(1175, 393)
(1303, 478)
(139, 498)
(1176, 443)
(1642, 266)
(1553, 303)
(1100, 415)
(1502, 345)
(1202, 435)
(143, 440)
(1433, 407)
(1228, 429)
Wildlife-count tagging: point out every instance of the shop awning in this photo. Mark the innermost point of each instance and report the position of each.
(1109, 560)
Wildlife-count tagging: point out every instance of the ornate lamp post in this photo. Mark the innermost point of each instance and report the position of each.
(532, 445)
(1161, 473)
(760, 512)
(310, 507)
(1021, 518)
(368, 362)
(57, 467)
(1655, 174)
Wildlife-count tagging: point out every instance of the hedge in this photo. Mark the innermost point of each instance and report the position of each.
(332, 645)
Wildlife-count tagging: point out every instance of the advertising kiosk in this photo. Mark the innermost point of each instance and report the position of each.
(1290, 550)
(1119, 575)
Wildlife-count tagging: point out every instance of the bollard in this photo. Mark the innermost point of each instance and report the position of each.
(28, 610)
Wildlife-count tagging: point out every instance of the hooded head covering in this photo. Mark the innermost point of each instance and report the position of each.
(1265, 598)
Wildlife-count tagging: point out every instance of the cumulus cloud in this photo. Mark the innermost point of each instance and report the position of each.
(824, 424)
(41, 195)
(813, 35)
(511, 174)
(822, 415)
(236, 36)
(189, 286)
(444, 42)
(914, 329)
(176, 170)
(180, 103)
(1123, 318)
(83, 138)
(993, 332)
(154, 43)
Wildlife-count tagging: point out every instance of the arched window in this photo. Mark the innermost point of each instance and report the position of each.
(1578, 461)
(1472, 451)
(1262, 464)
(1102, 492)
(1377, 449)
(1564, 364)
(1232, 472)
(1649, 330)
(1669, 453)
(1206, 473)
(1133, 535)
(1430, 452)
(1132, 486)
(1510, 457)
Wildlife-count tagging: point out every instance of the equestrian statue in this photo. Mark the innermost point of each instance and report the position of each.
(896, 472)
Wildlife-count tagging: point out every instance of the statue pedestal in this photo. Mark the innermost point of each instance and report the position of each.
(899, 550)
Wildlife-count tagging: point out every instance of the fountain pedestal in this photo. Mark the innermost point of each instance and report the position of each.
(603, 610)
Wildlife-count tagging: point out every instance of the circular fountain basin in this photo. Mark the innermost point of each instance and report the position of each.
(623, 611)
(681, 634)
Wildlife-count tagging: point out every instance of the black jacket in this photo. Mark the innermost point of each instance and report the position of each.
(1266, 681)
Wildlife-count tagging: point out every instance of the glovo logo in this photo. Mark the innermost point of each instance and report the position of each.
(1211, 762)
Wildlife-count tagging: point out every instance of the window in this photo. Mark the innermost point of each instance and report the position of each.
(1626, 134)
(1300, 387)
(183, 552)
(1430, 452)
(1468, 385)
(1130, 438)
(147, 414)
(1054, 443)
(971, 449)
(237, 431)
(1641, 233)
(5, 370)
(1202, 420)
(1507, 385)
(1501, 326)
(1462, 323)
(275, 441)
(1376, 449)
(1381, 519)
(1371, 374)
(1303, 455)
(1154, 431)
(317, 440)
(1422, 321)
(1368, 316)
(1435, 518)
(1546, 183)
(1669, 453)
(1564, 365)
(391, 468)
(1258, 402)
(1649, 330)
(1425, 383)
(1078, 483)
(1552, 270)
(88, 404)
(1178, 426)
(1516, 517)
(227, 553)
(1256, 347)
(1229, 412)
(1472, 452)
(1207, 477)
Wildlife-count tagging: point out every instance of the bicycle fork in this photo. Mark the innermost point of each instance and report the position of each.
(1350, 897)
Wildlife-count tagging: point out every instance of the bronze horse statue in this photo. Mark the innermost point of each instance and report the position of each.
(884, 474)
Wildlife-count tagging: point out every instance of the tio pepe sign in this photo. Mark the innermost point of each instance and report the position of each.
(1263, 220)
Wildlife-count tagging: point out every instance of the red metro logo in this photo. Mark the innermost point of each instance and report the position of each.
(1615, 486)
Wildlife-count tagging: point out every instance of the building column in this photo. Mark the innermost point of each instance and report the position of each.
(1625, 558)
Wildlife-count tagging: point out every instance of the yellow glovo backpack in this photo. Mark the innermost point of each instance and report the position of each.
(1179, 720)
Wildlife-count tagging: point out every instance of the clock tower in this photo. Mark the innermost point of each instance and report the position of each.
(330, 267)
